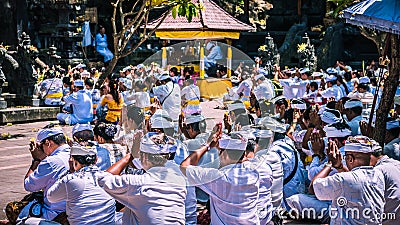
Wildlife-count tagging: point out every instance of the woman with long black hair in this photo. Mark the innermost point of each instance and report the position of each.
(114, 102)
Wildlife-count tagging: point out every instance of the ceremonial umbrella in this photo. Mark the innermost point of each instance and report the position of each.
(381, 15)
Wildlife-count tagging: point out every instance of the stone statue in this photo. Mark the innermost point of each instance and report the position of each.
(307, 54)
(269, 55)
(5, 56)
(27, 56)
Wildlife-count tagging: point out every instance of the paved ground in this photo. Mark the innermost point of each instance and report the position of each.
(15, 158)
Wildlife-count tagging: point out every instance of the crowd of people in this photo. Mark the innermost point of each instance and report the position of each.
(140, 151)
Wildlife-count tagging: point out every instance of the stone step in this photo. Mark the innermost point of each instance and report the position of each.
(19, 115)
(8, 96)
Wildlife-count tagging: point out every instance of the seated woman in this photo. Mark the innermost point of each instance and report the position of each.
(101, 44)
(114, 102)
(104, 135)
(87, 202)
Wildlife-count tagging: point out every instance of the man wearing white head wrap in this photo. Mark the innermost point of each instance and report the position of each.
(332, 90)
(391, 171)
(360, 189)
(50, 160)
(293, 170)
(190, 98)
(244, 90)
(338, 133)
(294, 87)
(264, 88)
(353, 110)
(331, 116)
(363, 91)
(236, 174)
(214, 54)
(87, 203)
(169, 95)
(194, 129)
(83, 134)
(82, 106)
(156, 197)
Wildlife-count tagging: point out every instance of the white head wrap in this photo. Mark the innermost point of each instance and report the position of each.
(299, 106)
(77, 149)
(304, 70)
(364, 80)
(194, 119)
(259, 76)
(147, 145)
(48, 132)
(227, 142)
(79, 83)
(361, 144)
(328, 117)
(392, 124)
(273, 125)
(331, 70)
(332, 131)
(81, 127)
(163, 76)
(353, 103)
(85, 73)
(330, 78)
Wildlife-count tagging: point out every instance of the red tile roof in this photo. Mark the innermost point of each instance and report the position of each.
(211, 17)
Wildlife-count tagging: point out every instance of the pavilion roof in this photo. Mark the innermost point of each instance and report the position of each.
(210, 17)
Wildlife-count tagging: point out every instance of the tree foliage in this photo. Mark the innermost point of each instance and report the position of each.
(138, 12)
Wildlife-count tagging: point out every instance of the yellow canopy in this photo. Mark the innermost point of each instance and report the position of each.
(194, 35)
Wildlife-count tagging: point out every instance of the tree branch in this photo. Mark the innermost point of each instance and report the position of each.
(115, 5)
(146, 36)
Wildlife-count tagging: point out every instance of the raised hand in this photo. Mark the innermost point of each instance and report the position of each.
(334, 155)
(317, 144)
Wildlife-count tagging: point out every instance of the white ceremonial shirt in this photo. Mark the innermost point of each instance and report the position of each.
(359, 191)
(170, 98)
(156, 197)
(45, 175)
(233, 190)
(87, 202)
(274, 161)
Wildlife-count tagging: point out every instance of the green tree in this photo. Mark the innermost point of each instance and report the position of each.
(138, 11)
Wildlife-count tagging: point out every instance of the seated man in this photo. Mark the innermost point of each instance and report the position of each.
(51, 89)
(50, 156)
(361, 189)
(83, 134)
(156, 197)
(81, 103)
(214, 54)
(236, 174)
